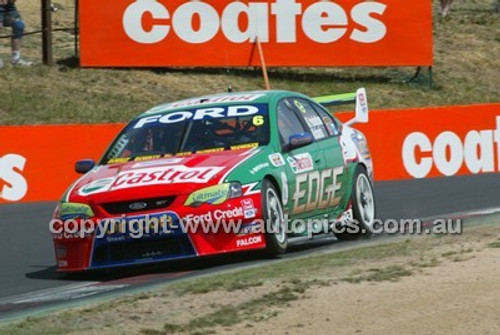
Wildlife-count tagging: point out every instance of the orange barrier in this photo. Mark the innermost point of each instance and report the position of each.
(223, 33)
(434, 141)
(36, 162)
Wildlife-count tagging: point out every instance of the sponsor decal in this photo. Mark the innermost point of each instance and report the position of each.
(346, 217)
(13, 185)
(97, 186)
(247, 203)
(276, 159)
(146, 158)
(202, 114)
(250, 228)
(448, 152)
(118, 160)
(314, 121)
(250, 213)
(61, 251)
(348, 146)
(316, 190)
(284, 188)
(165, 161)
(300, 106)
(259, 167)
(249, 210)
(151, 176)
(62, 263)
(245, 146)
(248, 241)
(215, 216)
(318, 133)
(360, 142)
(214, 195)
(68, 210)
(208, 151)
(207, 100)
(361, 105)
(301, 162)
(285, 12)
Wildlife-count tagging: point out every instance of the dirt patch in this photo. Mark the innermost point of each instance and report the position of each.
(454, 298)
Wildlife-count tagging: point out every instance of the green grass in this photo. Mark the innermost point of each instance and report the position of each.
(229, 315)
(391, 273)
(467, 70)
(495, 244)
(291, 271)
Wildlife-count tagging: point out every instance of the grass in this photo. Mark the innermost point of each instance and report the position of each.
(495, 244)
(467, 70)
(229, 315)
(290, 271)
(390, 273)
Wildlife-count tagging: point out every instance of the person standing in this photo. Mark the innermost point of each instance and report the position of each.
(445, 7)
(10, 17)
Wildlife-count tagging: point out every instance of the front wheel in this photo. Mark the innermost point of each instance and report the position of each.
(363, 207)
(272, 213)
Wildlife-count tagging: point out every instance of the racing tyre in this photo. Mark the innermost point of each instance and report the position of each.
(363, 207)
(276, 237)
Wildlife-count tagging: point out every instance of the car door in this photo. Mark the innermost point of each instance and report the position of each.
(333, 174)
(301, 164)
(333, 151)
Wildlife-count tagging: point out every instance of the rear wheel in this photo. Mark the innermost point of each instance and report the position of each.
(276, 237)
(363, 207)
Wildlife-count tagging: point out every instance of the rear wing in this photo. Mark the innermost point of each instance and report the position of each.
(359, 98)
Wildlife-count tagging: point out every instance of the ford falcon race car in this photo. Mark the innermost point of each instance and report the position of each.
(218, 174)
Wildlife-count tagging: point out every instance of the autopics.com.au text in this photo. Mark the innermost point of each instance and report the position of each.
(148, 225)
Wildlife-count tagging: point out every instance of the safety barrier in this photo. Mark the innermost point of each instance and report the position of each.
(37, 162)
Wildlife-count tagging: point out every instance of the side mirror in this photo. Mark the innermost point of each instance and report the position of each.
(84, 166)
(361, 108)
(299, 140)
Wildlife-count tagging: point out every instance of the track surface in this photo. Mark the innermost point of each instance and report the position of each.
(27, 260)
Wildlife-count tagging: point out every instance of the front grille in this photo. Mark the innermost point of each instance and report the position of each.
(124, 207)
(141, 249)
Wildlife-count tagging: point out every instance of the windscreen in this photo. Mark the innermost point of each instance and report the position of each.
(188, 131)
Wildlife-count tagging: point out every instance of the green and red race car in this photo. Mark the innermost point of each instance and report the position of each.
(217, 174)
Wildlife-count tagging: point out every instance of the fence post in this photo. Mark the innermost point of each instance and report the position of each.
(75, 27)
(47, 33)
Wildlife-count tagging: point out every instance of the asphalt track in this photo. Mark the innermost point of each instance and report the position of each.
(28, 280)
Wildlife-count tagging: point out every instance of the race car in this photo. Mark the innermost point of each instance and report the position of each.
(218, 174)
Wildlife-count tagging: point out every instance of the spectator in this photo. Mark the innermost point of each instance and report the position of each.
(445, 7)
(10, 17)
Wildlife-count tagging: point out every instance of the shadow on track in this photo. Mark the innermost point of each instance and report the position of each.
(200, 265)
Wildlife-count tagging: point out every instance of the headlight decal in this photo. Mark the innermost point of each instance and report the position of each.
(214, 195)
(71, 210)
